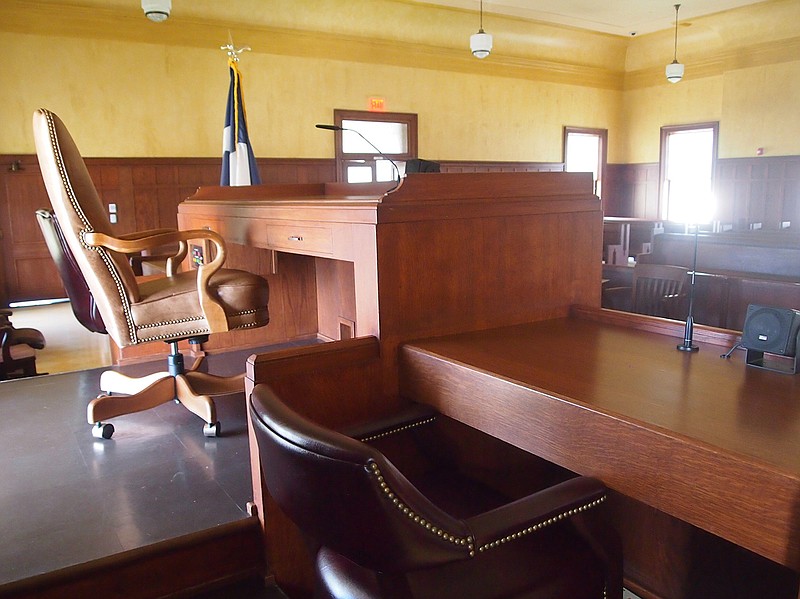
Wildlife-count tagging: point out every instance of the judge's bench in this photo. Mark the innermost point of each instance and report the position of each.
(480, 295)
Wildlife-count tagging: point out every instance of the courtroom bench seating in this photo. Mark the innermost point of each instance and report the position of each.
(734, 269)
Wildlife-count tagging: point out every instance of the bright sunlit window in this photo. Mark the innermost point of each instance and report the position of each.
(584, 152)
(688, 155)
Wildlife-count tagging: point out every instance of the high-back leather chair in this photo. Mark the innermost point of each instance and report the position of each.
(373, 534)
(182, 305)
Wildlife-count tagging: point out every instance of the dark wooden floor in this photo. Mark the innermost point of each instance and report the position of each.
(67, 498)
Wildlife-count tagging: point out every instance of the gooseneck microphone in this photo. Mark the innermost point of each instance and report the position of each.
(688, 331)
(338, 128)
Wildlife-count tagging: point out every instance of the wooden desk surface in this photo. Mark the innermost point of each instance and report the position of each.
(707, 440)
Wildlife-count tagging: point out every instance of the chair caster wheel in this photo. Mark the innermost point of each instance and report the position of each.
(211, 430)
(102, 431)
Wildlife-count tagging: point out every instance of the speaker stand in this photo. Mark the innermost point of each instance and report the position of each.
(774, 362)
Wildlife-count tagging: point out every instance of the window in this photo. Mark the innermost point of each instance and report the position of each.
(370, 137)
(585, 152)
(688, 157)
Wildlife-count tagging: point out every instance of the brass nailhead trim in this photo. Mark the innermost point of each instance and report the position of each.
(205, 331)
(541, 525)
(152, 325)
(397, 430)
(466, 542)
(183, 333)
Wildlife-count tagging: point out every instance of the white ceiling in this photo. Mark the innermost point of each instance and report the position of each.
(620, 17)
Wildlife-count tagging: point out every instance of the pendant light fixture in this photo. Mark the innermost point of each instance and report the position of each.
(157, 10)
(481, 43)
(675, 69)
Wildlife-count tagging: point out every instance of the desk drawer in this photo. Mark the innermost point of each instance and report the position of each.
(300, 239)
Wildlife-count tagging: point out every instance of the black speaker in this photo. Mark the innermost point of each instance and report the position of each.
(771, 330)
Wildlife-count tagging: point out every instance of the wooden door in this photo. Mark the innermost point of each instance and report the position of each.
(28, 271)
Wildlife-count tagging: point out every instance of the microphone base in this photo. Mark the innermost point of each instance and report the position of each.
(688, 335)
(687, 347)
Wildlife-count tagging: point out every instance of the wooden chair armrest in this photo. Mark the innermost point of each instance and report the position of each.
(213, 311)
(170, 259)
(534, 512)
(143, 234)
(131, 244)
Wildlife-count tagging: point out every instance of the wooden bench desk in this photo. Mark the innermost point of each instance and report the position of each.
(706, 440)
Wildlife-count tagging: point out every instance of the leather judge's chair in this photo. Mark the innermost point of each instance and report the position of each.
(374, 534)
(179, 306)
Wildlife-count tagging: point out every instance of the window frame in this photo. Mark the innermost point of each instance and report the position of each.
(369, 159)
(666, 131)
(603, 165)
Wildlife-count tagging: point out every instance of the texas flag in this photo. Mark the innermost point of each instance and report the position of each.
(238, 163)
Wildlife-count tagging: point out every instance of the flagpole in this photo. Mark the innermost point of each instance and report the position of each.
(238, 163)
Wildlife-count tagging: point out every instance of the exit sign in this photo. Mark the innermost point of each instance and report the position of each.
(377, 104)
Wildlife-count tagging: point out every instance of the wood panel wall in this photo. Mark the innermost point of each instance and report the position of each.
(763, 190)
(461, 166)
(146, 192)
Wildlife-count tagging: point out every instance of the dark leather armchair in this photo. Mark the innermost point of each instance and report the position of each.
(373, 534)
(17, 348)
(186, 305)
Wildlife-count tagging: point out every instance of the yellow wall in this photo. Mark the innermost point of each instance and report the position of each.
(127, 87)
(132, 99)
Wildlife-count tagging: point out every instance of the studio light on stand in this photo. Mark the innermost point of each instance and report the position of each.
(480, 43)
(688, 331)
(675, 69)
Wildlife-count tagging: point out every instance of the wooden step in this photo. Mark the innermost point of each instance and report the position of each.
(183, 567)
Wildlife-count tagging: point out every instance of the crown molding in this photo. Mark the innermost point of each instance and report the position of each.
(28, 17)
(719, 63)
(21, 16)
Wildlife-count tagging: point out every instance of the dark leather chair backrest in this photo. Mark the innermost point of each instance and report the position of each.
(81, 299)
(345, 495)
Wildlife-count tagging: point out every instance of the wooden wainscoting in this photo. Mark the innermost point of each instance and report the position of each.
(145, 191)
(753, 191)
(475, 166)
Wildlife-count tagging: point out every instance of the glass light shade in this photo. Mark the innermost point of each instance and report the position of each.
(674, 71)
(157, 10)
(481, 44)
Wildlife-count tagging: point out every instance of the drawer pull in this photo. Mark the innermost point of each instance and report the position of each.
(295, 238)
